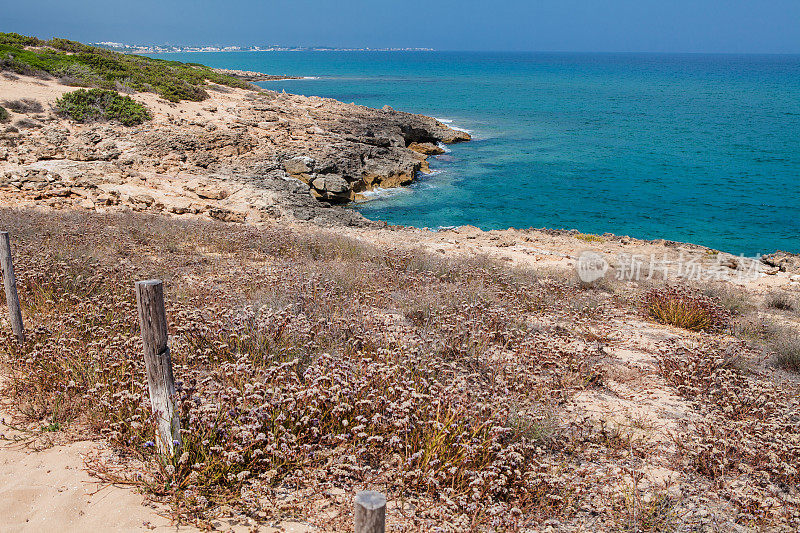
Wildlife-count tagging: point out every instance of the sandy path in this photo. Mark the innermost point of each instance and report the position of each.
(50, 490)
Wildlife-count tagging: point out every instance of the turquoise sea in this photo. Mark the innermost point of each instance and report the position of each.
(696, 148)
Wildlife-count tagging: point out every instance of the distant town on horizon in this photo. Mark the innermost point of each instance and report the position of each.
(167, 48)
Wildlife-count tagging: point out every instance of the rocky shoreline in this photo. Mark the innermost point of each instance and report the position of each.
(241, 155)
(252, 76)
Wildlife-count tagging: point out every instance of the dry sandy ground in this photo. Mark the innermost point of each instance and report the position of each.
(48, 91)
(559, 251)
(50, 490)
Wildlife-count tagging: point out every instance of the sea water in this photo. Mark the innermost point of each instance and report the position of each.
(693, 148)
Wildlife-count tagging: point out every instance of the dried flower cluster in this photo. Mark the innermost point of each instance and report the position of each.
(309, 363)
(748, 439)
(303, 370)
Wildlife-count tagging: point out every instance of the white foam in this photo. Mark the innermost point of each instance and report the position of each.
(380, 192)
(449, 123)
(444, 147)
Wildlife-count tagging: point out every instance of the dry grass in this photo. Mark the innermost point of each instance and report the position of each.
(303, 361)
(589, 237)
(24, 105)
(308, 362)
(784, 344)
(733, 298)
(781, 301)
(748, 430)
(780, 340)
(686, 308)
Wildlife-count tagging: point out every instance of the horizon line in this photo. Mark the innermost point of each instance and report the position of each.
(498, 50)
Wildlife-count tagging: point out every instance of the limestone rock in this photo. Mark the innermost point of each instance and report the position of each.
(226, 215)
(141, 200)
(211, 192)
(426, 148)
(331, 183)
(238, 157)
(299, 165)
(785, 261)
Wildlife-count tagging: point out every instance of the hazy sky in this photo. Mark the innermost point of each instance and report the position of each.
(565, 25)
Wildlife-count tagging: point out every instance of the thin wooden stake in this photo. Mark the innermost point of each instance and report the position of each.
(370, 512)
(10, 282)
(153, 322)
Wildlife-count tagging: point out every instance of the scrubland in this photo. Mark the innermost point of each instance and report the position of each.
(478, 396)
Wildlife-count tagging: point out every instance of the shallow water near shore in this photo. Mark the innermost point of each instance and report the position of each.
(695, 148)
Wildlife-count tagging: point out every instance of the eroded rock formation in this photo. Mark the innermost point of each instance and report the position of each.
(273, 155)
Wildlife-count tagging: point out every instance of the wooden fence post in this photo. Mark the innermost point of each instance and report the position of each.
(153, 322)
(370, 512)
(10, 282)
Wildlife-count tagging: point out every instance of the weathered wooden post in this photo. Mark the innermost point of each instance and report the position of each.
(370, 512)
(153, 322)
(10, 282)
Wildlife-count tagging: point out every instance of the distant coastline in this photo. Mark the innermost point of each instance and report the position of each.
(176, 49)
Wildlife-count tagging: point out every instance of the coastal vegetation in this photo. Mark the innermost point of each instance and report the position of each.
(781, 301)
(687, 308)
(589, 237)
(99, 104)
(24, 105)
(4, 115)
(308, 361)
(469, 375)
(785, 344)
(77, 64)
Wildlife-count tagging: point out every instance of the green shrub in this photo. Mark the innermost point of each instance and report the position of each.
(99, 104)
(88, 66)
(4, 116)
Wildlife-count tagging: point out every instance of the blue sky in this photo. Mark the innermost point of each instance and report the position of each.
(736, 26)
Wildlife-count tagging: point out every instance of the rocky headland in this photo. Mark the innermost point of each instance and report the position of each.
(239, 155)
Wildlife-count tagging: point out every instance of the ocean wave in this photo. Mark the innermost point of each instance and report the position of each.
(381, 193)
(444, 147)
(449, 123)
